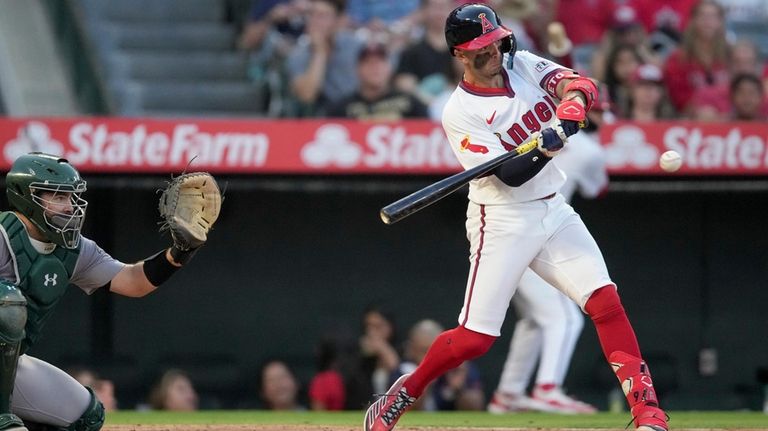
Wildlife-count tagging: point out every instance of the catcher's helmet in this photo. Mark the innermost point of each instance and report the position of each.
(34, 173)
(474, 26)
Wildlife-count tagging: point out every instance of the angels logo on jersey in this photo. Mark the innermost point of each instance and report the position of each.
(466, 145)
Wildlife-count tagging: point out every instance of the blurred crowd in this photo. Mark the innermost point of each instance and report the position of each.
(348, 372)
(366, 59)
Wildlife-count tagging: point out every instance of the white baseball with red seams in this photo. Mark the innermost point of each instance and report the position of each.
(670, 161)
(513, 228)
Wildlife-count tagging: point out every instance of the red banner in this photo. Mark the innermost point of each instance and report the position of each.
(323, 146)
(706, 148)
(234, 146)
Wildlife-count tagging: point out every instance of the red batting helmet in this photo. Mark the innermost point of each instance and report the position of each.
(474, 26)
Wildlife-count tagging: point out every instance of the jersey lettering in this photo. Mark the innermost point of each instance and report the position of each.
(543, 112)
(531, 122)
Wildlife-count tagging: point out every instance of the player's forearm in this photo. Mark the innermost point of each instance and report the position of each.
(519, 170)
(131, 281)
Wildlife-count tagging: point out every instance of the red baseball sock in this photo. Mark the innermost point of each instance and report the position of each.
(448, 351)
(611, 322)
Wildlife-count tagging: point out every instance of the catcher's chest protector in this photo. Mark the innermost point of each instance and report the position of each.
(43, 278)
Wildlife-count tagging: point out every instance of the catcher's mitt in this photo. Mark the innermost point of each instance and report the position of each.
(189, 207)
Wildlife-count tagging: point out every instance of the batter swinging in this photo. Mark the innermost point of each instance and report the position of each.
(516, 218)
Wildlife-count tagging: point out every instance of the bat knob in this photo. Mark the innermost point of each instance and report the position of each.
(385, 217)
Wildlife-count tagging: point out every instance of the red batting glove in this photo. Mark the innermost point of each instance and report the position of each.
(571, 110)
(572, 116)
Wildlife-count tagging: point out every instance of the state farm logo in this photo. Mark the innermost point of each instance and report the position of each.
(34, 136)
(331, 146)
(384, 146)
(141, 144)
(628, 147)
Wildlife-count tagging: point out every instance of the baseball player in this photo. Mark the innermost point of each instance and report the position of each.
(549, 323)
(41, 253)
(515, 217)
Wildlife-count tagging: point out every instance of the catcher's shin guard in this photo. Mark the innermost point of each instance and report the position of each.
(13, 317)
(635, 380)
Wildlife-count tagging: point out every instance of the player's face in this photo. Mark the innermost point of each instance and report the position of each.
(486, 61)
(57, 203)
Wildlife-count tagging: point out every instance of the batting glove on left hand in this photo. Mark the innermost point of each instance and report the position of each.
(550, 142)
(572, 116)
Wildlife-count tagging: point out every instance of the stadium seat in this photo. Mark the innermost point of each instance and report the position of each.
(171, 58)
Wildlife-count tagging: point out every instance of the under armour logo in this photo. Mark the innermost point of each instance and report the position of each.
(487, 26)
(51, 279)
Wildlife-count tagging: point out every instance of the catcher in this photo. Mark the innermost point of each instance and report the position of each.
(42, 252)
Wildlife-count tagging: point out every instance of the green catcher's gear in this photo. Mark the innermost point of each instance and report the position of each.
(13, 317)
(34, 173)
(93, 417)
(9, 421)
(43, 278)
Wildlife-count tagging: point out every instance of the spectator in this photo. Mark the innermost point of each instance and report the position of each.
(326, 389)
(104, 389)
(375, 359)
(622, 62)
(284, 18)
(459, 389)
(278, 387)
(435, 107)
(322, 66)
(745, 58)
(268, 36)
(700, 62)
(647, 101)
(747, 98)
(175, 392)
(626, 29)
(667, 16)
(375, 99)
(586, 21)
(381, 13)
(390, 22)
(425, 66)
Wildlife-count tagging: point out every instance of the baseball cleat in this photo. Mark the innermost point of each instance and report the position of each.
(559, 402)
(502, 403)
(384, 413)
(636, 382)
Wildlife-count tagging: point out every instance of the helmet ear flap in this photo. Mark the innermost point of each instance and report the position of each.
(509, 44)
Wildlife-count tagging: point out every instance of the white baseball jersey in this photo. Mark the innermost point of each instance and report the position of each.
(483, 123)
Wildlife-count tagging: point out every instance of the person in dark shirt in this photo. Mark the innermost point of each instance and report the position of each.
(425, 66)
(375, 99)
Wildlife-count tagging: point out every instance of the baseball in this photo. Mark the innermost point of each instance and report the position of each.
(670, 161)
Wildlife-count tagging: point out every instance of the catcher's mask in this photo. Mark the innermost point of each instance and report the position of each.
(475, 26)
(34, 174)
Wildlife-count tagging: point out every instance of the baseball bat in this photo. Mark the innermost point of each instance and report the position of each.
(421, 199)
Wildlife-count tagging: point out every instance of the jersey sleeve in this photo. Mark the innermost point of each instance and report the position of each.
(94, 267)
(541, 72)
(471, 142)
